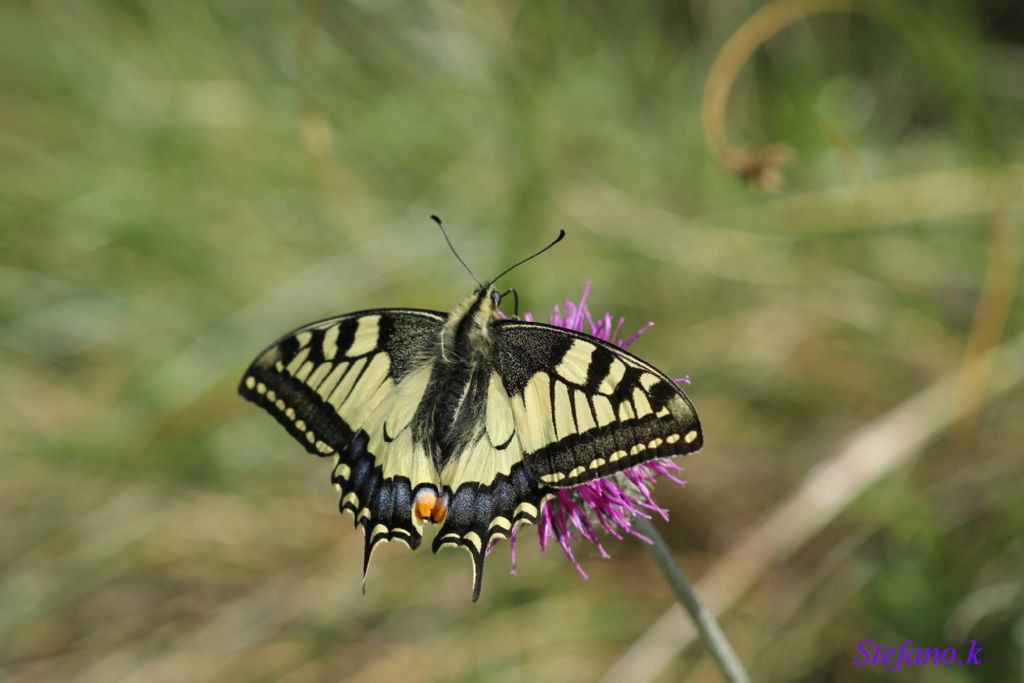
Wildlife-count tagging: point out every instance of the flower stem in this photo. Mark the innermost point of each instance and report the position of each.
(708, 628)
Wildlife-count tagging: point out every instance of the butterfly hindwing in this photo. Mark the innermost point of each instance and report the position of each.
(489, 489)
(348, 387)
(585, 409)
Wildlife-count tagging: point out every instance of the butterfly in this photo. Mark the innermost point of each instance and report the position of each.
(468, 420)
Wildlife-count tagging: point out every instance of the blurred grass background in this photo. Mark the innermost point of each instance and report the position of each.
(182, 182)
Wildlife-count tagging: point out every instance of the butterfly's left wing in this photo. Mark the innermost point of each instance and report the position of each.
(584, 408)
(348, 387)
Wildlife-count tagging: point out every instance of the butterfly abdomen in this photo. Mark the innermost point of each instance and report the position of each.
(451, 413)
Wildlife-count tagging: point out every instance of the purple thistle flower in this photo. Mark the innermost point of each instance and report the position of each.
(608, 504)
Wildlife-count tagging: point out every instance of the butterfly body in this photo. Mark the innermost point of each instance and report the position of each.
(467, 421)
(449, 415)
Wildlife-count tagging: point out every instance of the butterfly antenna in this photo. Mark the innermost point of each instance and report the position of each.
(561, 234)
(452, 247)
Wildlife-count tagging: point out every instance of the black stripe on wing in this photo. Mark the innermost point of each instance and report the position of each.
(298, 408)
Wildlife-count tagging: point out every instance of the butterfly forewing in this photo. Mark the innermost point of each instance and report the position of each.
(585, 409)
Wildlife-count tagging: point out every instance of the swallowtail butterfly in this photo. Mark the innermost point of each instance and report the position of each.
(466, 420)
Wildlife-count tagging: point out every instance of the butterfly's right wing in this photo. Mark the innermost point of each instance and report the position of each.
(349, 387)
(584, 408)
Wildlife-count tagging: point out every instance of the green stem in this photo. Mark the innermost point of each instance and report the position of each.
(708, 628)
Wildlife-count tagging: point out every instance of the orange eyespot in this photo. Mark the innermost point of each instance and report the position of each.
(429, 508)
(440, 510)
(424, 504)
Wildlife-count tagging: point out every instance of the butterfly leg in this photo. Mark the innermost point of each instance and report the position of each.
(515, 298)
